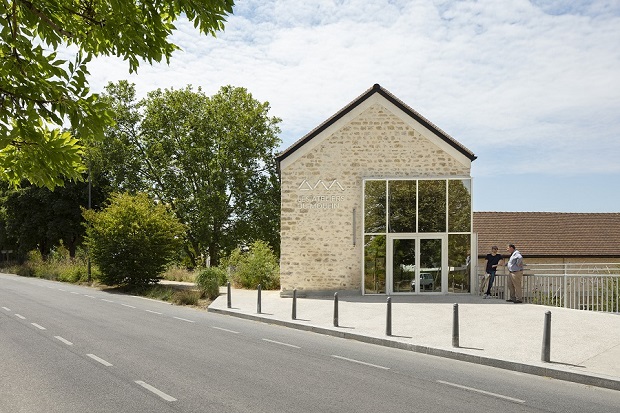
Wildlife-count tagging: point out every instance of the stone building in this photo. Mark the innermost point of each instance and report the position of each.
(376, 200)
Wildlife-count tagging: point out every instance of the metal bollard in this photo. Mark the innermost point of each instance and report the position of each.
(228, 298)
(546, 346)
(455, 325)
(258, 304)
(294, 304)
(336, 309)
(388, 323)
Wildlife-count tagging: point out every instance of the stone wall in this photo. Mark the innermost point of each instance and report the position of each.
(321, 197)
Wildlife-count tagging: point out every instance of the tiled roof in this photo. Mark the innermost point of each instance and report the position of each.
(550, 234)
(393, 99)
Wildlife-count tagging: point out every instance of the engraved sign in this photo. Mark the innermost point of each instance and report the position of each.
(322, 194)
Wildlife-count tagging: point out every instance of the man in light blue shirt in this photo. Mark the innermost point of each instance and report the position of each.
(515, 279)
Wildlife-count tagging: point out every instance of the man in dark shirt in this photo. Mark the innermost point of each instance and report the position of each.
(492, 260)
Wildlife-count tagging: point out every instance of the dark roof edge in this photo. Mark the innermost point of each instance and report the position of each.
(391, 98)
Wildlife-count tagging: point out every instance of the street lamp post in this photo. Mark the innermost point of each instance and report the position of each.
(89, 205)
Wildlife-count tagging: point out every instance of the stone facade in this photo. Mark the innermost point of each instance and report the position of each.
(322, 189)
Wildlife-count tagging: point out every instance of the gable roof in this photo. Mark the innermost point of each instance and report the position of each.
(550, 234)
(391, 98)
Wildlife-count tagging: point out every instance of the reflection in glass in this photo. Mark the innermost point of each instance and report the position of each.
(403, 269)
(374, 264)
(459, 205)
(402, 204)
(459, 262)
(432, 206)
(374, 206)
(430, 265)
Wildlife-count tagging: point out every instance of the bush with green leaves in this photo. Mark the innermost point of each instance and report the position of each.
(209, 281)
(258, 265)
(132, 240)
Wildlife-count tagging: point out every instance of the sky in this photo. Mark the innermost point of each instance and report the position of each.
(532, 88)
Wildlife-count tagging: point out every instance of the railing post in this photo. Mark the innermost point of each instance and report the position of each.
(228, 298)
(258, 303)
(388, 323)
(336, 309)
(294, 316)
(546, 347)
(455, 325)
(565, 295)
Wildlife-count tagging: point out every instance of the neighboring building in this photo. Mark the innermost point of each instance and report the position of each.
(551, 237)
(376, 200)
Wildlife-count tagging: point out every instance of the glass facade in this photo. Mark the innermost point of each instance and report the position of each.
(417, 235)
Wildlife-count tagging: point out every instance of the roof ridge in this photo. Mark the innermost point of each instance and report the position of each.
(376, 88)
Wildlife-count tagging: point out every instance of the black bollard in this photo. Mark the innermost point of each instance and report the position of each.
(228, 299)
(295, 304)
(336, 309)
(455, 325)
(258, 302)
(546, 347)
(388, 323)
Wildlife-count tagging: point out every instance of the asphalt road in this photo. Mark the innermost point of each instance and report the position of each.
(65, 348)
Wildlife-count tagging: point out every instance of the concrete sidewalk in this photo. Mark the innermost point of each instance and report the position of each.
(585, 346)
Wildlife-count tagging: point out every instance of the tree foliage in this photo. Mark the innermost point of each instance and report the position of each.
(41, 90)
(132, 240)
(211, 158)
(38, 218)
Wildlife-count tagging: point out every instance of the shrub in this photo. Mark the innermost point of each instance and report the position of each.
(209, 281)
(259, 265)
(132, 240)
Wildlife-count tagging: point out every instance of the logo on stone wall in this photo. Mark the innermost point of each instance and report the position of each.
(321, 185)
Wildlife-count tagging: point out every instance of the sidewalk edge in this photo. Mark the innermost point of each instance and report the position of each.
(580, 378)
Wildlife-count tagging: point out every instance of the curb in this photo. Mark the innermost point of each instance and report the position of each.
(589, 380)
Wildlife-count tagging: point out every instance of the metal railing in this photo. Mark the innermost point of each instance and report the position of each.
(584, 286)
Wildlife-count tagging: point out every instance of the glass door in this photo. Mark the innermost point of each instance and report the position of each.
(403, 265)
(415, 264)
(430, 265)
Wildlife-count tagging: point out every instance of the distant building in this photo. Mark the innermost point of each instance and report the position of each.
(551, 237)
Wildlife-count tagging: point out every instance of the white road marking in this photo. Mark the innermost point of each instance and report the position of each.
(7, 309)
(38, 326)
(100, 360)
(74, 292)
(127, 305)
(20, 316)
(282, 344)
(154, 312)
(60, 289)
(360, 362)
(107, 301)
(184, 319)
(481, 391)
(160, 393)
(227, 330)
(67, 342)
(89, 296)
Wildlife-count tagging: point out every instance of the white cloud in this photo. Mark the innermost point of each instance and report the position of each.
(526, 85)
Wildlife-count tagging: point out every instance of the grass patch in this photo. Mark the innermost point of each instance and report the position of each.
(74, 270)
(179, 295)
(179, 274)
(186, 297)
